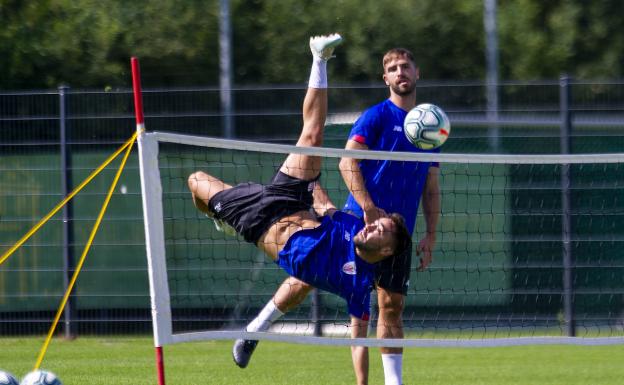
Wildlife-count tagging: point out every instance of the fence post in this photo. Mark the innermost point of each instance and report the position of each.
(225, 69)
(491, 56)
(566, 223)
(315, 315)
(66, 188)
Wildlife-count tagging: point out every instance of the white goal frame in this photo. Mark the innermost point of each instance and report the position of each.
(155, 243)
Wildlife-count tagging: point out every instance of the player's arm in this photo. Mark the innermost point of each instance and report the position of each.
(322, 203)
(359, 354)
(352, 175)
(431, 212)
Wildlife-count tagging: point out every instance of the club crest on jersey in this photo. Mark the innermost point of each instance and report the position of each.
(218, 207)
(347, 236)
(349, 268)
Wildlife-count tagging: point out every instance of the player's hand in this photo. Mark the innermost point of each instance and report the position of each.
(372, 214)
(424, 250)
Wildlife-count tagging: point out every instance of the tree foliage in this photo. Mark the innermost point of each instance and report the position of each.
(546, 38)
(88, 43)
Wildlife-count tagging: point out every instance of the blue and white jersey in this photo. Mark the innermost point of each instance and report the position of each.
(325, 258)
(394, 186)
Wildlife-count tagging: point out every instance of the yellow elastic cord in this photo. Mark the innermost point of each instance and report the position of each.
(84, 255)
(19, 243)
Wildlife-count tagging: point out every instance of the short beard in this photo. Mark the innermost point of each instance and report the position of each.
(403, 92)
(362, 246)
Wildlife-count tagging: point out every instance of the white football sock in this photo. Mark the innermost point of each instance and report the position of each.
(318, 74)
(267, 316)
(393, 368)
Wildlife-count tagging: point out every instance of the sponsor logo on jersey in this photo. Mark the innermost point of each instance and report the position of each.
(398, 129)
(349, 268)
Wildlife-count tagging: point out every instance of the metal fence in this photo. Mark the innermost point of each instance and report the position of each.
(51, 140)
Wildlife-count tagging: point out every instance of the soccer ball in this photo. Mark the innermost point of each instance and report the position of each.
(426, 126)
(7, 378)
(40, 377)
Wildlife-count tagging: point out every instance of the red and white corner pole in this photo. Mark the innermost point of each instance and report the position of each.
(140, 126)
(138, 94)
(160, 365)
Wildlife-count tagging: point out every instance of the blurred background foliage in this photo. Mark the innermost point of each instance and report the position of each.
(88, 43)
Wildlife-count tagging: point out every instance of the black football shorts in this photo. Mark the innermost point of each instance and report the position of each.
(251, 208)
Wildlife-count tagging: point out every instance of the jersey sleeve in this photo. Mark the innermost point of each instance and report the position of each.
(367, 128)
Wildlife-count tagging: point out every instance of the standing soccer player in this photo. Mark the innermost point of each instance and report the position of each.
(377, 187)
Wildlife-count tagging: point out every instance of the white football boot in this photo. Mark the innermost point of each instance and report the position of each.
(322, 47)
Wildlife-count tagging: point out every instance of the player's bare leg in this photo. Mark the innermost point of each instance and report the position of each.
(307, 167)
(390, 325)
(302, 167)
(203, 187)
(290, 294)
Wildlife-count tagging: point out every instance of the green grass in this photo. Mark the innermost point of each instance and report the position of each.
(130, 361)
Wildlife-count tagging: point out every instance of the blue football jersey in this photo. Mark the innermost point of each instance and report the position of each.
(325, 258)
(394, 186)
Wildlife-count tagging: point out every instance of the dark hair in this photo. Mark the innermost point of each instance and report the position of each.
(403, 238)
(397, 52)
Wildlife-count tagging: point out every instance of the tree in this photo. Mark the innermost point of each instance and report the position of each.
(544, 39)
(88, 43)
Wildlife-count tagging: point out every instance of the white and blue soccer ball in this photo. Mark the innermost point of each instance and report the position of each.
(7, 378)
(40, 377)
(426, 126)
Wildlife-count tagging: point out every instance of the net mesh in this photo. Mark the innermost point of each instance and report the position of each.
(498, 269)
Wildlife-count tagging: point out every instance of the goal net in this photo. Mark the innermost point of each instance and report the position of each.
(529, 250)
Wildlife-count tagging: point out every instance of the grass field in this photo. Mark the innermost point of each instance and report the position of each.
(130, 361)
